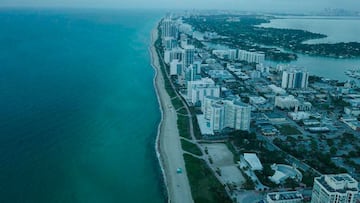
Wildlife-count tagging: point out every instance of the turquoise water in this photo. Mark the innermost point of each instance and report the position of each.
(78, 109)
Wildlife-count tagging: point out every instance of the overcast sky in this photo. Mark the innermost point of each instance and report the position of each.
(254, 5)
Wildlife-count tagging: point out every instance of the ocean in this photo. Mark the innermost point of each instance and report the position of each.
(78, 110)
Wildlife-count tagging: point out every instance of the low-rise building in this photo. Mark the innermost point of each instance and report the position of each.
(253, 161)
(298, 116)
(311, 122)
(284, 197)
(268, 130)
(257, 100)
(274, 117)
(286, 102)
(319, 129)
(354, 111)
(277, 90)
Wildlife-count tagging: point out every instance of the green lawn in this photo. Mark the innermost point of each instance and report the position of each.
(183, 126)
(190, 147)
(288, 130)
(205, 188)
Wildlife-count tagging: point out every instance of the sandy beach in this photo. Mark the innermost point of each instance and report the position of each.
(168, 143)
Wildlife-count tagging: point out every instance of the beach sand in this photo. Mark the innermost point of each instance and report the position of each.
(168, 143)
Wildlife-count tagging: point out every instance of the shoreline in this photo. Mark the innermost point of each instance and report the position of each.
(168, 145)
(158, 134)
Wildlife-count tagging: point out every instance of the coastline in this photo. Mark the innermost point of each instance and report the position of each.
(168, 145)
(158, 135)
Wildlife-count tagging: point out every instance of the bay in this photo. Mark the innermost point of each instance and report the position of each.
(337, 29)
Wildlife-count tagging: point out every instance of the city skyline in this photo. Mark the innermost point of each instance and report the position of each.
(245, 5)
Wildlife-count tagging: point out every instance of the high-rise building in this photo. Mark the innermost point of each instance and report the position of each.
(170, 43)
(295, 79)
(234, 114)
(169, 28)
(189, 52)
(173, 54)
(242, 116)
(176, 67)
(197, 90)
(217, 116)
(250, 56)
(339, 188)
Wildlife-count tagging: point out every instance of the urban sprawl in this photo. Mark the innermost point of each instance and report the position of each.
(270, 134)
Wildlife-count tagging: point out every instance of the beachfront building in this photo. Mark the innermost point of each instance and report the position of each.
(226, 113)
(173, 54)
(169, 28)
(191, 73)
(295, 79)
(250, 56)
(284, 197)
(197, 90)
(170, 43)
(176, 67)
(339, 188)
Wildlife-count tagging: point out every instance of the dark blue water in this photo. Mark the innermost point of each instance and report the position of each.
(78, 111)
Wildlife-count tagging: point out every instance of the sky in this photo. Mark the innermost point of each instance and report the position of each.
(248, 5)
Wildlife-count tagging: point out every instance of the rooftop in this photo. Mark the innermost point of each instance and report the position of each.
(204, 125)
(291, 195)
(340, 183)
(253, 161)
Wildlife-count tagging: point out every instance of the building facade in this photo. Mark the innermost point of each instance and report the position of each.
(339, 188)
(249, 56)
(197, 90)
(295, 79)
(227, 113)
(284, 197)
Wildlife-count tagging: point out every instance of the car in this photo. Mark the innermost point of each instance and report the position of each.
(178, 170)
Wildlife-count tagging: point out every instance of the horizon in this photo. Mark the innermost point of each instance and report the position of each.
(281, 6)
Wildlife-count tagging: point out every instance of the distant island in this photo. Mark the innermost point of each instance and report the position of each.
(244, 31)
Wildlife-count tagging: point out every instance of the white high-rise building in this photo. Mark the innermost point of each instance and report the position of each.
(197, 90)
(251, 57)
(235, 114)
(173, 54)
(217, 117)
(339, 188)
(170, 43)
(295, 79)
(169, 28)
(242, 116)
(176, 67)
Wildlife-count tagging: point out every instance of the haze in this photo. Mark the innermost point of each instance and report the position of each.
(253, 5)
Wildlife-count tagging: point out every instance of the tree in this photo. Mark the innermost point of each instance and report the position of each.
(333, 150)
